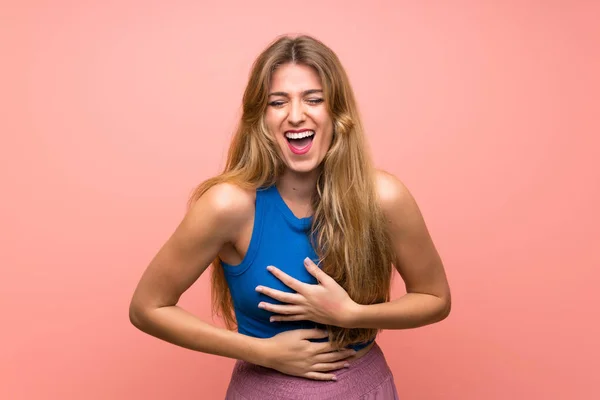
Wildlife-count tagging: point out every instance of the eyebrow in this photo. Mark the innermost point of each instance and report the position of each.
(306, 92)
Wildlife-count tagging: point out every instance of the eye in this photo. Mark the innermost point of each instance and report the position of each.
(315, 101)
(276, 103)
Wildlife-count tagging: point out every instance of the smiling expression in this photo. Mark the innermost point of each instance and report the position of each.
(298, 118)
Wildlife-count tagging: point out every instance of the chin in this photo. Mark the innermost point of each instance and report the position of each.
(302, 167)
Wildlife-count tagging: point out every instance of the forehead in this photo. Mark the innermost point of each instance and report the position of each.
(293, 78)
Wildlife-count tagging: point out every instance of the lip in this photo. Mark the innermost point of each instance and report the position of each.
(300, 151)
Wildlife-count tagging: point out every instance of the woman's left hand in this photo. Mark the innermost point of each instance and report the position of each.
(325, 303)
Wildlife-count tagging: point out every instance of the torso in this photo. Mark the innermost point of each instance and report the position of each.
(234, 252)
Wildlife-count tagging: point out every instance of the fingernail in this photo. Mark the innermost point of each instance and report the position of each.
(258, 288)
(306, 260)
(270, 268)
(334, 378)
(346, 365)
(261, 305)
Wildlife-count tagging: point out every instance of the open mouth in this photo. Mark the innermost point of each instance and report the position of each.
(300, 142)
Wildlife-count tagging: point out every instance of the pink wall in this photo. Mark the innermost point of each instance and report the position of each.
(111, 112)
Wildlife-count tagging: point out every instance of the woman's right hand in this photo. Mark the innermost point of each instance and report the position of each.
(291, 353)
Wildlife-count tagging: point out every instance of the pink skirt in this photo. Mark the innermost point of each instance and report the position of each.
(368, 378)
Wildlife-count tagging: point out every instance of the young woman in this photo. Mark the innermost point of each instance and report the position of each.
(303, 234)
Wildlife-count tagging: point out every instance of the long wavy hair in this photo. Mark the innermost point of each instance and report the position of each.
(348, 229)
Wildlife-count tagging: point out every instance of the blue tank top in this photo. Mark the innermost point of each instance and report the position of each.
(281, 239)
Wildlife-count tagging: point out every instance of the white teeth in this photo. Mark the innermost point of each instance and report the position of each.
(299, 135)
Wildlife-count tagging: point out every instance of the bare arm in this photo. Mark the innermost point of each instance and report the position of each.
(208, 225)
(428, 294)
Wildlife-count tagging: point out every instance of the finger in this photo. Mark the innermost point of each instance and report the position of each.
(313, 333)
(284, 297)
(286, 279)
(317, 376)
(280, 308)
(324, 347)
(334, 356)
(281, 318)
(325, 367)
(315, 271)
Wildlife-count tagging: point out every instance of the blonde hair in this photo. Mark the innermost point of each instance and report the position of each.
(348, 229)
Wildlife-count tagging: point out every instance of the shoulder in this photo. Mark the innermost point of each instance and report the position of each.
(396, 200)
(227, 206)
(391, 191)
(230, 198)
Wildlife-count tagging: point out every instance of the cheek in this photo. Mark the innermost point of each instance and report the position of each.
(272, 117)
(269, 123)
(328, 140)
(328, 134)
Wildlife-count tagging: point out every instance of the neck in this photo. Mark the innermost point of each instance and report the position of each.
(298, 188)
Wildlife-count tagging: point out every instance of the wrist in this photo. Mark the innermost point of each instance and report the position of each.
(352, 317)
(261, 352)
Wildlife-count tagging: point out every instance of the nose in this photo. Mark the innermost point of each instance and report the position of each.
(296, 115)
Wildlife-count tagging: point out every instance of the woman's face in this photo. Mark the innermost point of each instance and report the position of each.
(297, 117)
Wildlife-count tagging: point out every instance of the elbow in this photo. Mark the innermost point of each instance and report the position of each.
(447, 307)
(134, 316)
(138, 315)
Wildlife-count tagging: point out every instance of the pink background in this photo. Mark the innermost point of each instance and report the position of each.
(112, 111)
